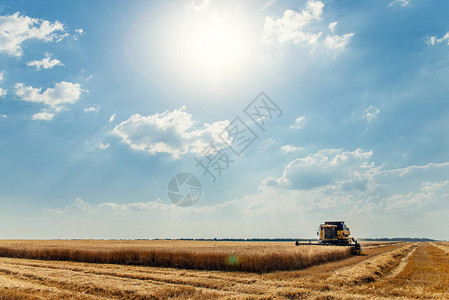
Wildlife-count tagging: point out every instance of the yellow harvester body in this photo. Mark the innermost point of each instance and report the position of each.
(335, 233)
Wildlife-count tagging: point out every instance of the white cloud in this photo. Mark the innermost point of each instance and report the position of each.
(3, 116)
(299, 123)
(371, 113)
(432, 40)
(337, 178)
(290, 27)
(78, 33)
(55, 98)
(3, 92)
(16, 29)
(112, 118)
(326, 167)
(43, 116)
(290, 148)
(332, 26)
(2, 76)
(92, 109)
(45, 63)
(402, 3)
(338, 41)
(168, 132)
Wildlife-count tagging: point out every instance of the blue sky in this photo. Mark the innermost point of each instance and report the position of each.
(102, 103)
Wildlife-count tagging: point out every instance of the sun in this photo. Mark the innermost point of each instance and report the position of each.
(213, 45)
(212, 48)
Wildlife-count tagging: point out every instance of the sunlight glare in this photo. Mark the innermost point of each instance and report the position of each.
(210, 48)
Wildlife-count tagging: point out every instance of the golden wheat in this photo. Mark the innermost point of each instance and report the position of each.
(258, 257)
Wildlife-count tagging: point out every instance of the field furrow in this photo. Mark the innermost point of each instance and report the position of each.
(99, 284)
(424, 276)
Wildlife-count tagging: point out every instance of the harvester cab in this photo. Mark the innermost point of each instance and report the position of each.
(334, 233)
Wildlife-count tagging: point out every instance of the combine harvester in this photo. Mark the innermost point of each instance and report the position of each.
(335, 233)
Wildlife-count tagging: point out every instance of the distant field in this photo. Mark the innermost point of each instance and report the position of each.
(385, 271)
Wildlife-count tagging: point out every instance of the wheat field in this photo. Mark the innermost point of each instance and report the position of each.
(231, 256)
(384, 271)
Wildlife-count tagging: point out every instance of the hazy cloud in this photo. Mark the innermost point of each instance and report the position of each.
(112, 118)
(199, 5)
(402, 3)
(332, 26)
(299, 123)
(43, 116)
(290, 148)
(91, 109)
(3, 92)
(102, 146)
(97, 144)
(422, 190)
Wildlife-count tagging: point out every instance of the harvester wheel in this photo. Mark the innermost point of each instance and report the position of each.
(357, 249)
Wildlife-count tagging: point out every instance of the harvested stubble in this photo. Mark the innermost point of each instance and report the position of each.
(373, 268)
(259, 258)
(441, 245)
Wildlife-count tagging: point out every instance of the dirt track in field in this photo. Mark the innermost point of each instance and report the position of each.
(388, 272)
